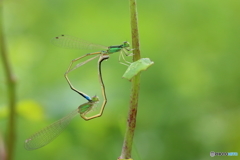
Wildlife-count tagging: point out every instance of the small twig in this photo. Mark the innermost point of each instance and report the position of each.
(132, 114)
(10, 79)
(2, 149)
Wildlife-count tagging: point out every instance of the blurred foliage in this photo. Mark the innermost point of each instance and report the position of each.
(189, 100)
(28, 109)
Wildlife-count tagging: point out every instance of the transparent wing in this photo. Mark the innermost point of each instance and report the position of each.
(66, 41)
(49, 133)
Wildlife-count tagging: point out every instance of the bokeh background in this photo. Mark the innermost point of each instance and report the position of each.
(189, 102)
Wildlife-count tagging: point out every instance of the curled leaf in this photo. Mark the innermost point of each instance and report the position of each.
(136, 67)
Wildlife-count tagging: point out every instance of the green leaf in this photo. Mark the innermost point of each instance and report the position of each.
(136, 67)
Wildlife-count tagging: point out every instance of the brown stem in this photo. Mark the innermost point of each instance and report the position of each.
(10, 80)
(132, 114)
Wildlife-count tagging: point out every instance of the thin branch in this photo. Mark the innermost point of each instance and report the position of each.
(132, 114)
(10, 80)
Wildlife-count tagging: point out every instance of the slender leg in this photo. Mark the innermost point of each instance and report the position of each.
(101, 59)
(119, 59)
(79, 65)
(124, 50)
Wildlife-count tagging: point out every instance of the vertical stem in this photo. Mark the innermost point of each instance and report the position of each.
(134, 27)
(132, 114)
(10, 80)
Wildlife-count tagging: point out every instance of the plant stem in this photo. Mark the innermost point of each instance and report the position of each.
(132, 114)
(10, 79)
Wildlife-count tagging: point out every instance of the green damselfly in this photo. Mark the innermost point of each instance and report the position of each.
(77, 43)
(49, 133)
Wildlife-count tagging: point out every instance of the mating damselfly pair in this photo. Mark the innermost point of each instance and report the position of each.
(47, 134)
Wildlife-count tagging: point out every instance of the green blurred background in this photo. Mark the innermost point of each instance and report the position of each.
(189, 101)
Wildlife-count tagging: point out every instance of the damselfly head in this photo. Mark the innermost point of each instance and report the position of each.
(126, 44)
(95, 99)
